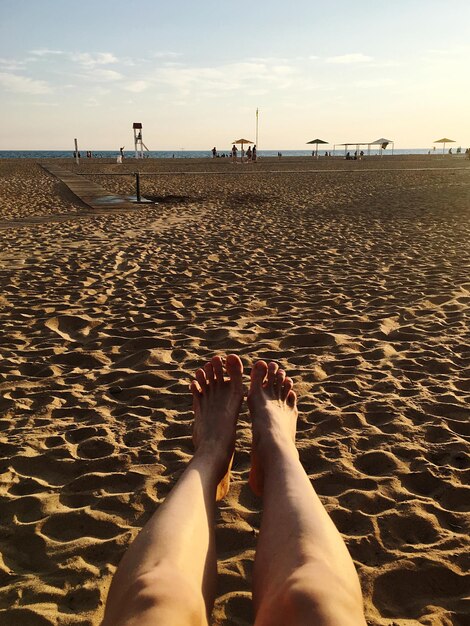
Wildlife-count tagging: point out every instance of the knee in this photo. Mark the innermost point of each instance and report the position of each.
(162, 595)
(167, 587)
(306, 598)
(300, 600)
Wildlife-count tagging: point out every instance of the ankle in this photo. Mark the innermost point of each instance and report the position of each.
(274, 444)
(212, 458)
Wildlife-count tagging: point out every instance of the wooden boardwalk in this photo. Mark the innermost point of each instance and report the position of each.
(90, 193)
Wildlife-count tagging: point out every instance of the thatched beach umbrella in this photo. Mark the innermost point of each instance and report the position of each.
(242, 141)
(444, 140)
(316, 142)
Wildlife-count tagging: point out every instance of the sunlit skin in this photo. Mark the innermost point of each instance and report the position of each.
(303, 573)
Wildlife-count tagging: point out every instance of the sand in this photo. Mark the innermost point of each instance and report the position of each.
(356, 281)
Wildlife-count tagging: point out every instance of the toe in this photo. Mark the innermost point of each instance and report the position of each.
(280, 377)
(201, 379)
(209, 370)
(195, 389)
(292, 399)
(272, 371)
(218, 367)
(287, 386)
(234, 369)
(258, 374)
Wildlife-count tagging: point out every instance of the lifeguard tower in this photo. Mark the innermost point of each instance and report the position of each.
(138, 143)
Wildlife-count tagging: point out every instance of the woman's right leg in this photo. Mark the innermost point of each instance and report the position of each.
(303, 572)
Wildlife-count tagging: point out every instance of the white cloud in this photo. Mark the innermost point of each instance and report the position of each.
(104, 58)
(355, 57)
(440, 52)
(98, 74)
(137, 86)
(213, 81)
(11, 65)
(44, 104)
(268, 60)
(42, 52)
(102, 91)
(89, 60)
(23, 84)
(91, 102)
(375, 83)
(166, 55)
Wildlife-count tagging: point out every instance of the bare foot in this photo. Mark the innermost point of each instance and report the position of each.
(216, 404)
(273, 410)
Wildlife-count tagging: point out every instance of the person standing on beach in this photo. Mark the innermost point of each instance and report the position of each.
(303, 574)
(214, 152)
(234, 152)
(253, 154)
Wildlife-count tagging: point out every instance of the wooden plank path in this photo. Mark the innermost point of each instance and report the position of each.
(90, 193)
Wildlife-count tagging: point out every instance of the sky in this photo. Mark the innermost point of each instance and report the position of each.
(194, 73)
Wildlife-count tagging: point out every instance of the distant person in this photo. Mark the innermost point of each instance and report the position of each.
(303, 574)
(249, 153)
(121, 150)
(450, 150)
(254, 155)
(214, 152)
(234, 152)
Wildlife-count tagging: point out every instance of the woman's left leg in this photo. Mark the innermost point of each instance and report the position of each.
(168, 575)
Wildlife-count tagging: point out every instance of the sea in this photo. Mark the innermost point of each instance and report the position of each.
(193, 154)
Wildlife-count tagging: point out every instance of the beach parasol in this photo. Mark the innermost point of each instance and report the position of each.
(444, 140)
(383, 143)
(242, 141)
(316, 142)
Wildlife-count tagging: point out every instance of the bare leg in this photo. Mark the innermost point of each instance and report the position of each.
(168, 574)
(303, 572)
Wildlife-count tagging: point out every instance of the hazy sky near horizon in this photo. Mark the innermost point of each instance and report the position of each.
(194, 72)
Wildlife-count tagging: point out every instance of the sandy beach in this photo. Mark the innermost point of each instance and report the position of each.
(355, 277)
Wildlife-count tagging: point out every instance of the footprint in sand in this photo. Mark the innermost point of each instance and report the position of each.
(72, 327)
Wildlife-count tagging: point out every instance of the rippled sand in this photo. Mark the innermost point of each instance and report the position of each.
(356, 281)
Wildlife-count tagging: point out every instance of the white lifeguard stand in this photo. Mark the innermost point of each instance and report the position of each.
(139, 144)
